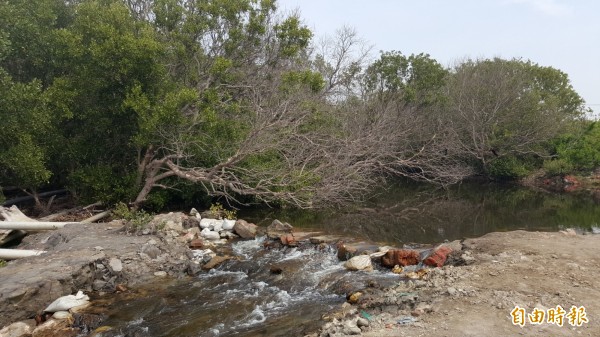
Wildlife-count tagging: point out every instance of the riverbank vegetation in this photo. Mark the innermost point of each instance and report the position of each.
(153, 102)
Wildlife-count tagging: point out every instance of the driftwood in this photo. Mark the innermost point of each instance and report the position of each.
(11, 254)
(16, 224)
(97, 217)
(31, 197)
(34, 225)
(12, 214)
(67, 211)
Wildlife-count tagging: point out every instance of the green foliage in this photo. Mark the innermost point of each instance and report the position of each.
(295, 81)
(292, 36)
(558, 166)
(134, 220)
(509, 167)
(25, 124)
(102, 183)
(217, 211)
(2, 263)
(581, 153)
(415, 78)
(89, 88)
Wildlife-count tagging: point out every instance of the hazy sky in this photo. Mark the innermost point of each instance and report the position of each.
(564, 34)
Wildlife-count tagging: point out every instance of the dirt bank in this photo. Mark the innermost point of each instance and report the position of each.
(525, 269)
(89, 257)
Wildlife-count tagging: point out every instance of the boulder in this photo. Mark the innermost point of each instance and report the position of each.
(245, 229)
(226, 234)
(345, 251)
(401, 257)
(55, 328)
(278, 228)
(194, 212)
(209, 234)
(215, 261)
(18, 329)
(168, 222)
(115, 265)
(288, 240)
(228, 224)
(191, 223)
(360, 262)
(209, 223)
(437, 258)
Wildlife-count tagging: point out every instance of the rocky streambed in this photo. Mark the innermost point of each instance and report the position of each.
(179, 275)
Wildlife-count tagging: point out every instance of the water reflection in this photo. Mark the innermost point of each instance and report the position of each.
(420, 213)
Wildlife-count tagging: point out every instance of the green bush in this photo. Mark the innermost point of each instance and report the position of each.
(582, 153)
(133, 219)
(218, 211)
(558, 166)
(102, 183)
(509, 168)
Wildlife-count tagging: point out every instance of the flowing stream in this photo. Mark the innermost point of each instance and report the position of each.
(244, 297)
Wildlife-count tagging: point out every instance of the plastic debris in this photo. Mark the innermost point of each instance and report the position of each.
(406, 320)
(366, 315)
(65, 303)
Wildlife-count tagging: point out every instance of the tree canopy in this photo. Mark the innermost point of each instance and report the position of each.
(151, 101)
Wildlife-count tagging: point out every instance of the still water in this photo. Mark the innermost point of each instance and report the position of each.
(419, 213)
(243, 297)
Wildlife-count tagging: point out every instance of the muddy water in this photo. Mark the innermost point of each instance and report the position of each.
(244, 298)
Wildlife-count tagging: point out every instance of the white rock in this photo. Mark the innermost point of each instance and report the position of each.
(228, 224)
(115, 265)
(17, 329)
(210, 235)
(65, 303)
(62, 315)
(209, 223)
(199, 254)
(160, 274)
(218, 226)
(359, 262)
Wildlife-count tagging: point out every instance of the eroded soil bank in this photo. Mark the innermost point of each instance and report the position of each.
(474, 297)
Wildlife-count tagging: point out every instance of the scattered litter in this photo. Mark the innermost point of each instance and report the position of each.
(406, 320)
(366, 315)
(65, 303)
